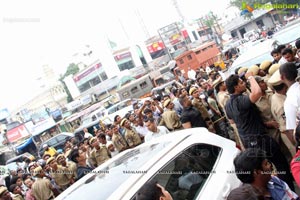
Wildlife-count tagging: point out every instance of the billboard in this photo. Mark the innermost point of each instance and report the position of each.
(17, 133)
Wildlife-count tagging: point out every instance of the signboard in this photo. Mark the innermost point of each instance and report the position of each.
(122, 56)
(17, 133)
(41, 126)
(156, 46)
(73, 105)
(90, 70)
(86, 99)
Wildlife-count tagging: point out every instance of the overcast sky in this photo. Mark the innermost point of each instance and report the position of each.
(37, 33)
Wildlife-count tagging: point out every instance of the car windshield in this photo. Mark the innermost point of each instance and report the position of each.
(288, 35)
(116, 173)
(119, 106)
(86, 120)
(262, 51)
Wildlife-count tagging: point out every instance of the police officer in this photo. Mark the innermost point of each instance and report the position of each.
(117, 139)
(277, 109)
(170, 119)
(131, 136)
(99, 154)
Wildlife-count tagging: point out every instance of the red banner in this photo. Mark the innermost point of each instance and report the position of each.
(17, 133)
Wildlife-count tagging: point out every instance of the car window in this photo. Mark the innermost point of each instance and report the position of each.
(52, 142)
(186, 174)
(61, 137)
(112, 110)
(118, 172)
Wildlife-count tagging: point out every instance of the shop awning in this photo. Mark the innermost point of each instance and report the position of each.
(24, 144)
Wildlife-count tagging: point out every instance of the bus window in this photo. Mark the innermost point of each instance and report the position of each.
(125, 94)
(134, 90)
(143, 85)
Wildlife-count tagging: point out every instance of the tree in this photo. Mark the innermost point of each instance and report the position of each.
(71, 70)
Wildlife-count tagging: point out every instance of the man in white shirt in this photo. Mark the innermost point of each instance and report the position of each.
(153, 130)
(288, 73)
(86, 133)
(191, 74)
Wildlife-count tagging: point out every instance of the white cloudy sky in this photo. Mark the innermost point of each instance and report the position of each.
(36, 33)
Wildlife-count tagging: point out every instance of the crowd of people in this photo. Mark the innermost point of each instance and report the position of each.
(257, 107)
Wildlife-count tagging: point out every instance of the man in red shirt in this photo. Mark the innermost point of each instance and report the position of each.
(295, 163)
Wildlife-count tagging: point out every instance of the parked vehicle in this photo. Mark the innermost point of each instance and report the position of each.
(104, 116)
(262, 50)
(21, 158)
(165, 88)
(251, 35)
(205, 54)
(18, 161)
(57, 142)
(136, 88)
(172, 159)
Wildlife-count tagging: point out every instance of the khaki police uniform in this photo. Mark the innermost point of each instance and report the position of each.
(223, 97)
(264, 106)
(73, 169)
(171, 120)
(132, 138)
(41, 189)
(197, 103)
(277, 110)
(119, 142)
(62, 176)
(99, 156)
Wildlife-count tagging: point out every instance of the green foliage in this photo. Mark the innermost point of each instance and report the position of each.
(71, 70)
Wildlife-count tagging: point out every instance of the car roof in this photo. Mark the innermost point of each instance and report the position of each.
(165, 85)
(254, 55)
(111, 174)
(26, 154)
(62, 133)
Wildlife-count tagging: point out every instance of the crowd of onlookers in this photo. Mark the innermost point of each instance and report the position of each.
(257, 107)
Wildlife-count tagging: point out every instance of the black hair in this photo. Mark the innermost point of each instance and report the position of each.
(149, 191)
(278, 88)
(25, 176)
(210, 92)
(151, 119)
(74, 154)
(274, 51)
(115, 118)
(280, 48)
(287, 51)
(14, 179)
(12, 187)
(231, 82)
(289, 70)
(127, 115)
(147, 110)
(102, 136)
(247, 162)
(297, 44)
(236, 71)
